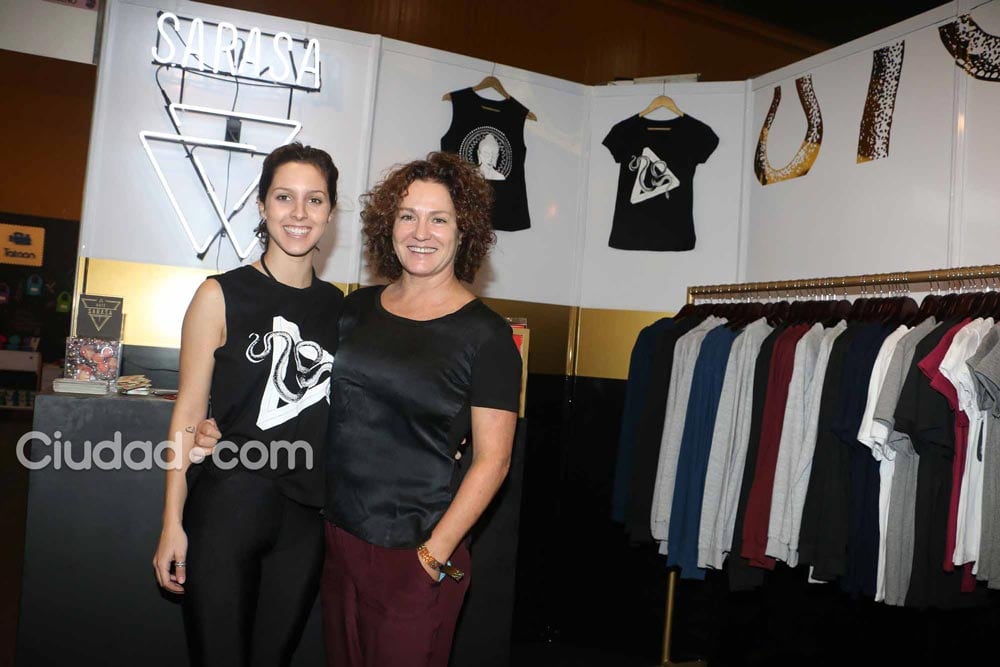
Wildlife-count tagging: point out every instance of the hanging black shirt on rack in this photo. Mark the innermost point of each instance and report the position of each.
(650, 432)
(490, 133)
(923, 414)
(824, 519)
(657, 161)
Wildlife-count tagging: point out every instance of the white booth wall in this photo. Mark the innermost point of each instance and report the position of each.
(537, 264)
(930, 203)
(647, 280)
(380, 104)
(127, 214)
(978, 239)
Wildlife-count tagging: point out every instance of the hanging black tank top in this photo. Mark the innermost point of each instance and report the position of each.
(271, 382)
(490, 134)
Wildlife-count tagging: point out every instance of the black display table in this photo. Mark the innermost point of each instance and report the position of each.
(89, 596)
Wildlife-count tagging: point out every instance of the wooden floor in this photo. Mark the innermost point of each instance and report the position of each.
(13, 500)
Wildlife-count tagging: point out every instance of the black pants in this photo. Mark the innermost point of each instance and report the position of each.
(253, 566)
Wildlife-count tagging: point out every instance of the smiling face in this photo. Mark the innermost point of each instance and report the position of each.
(297, 208)
(425, 234)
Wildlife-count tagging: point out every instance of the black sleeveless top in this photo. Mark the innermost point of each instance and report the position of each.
(402, 393)
(490, 134)
(271, 382)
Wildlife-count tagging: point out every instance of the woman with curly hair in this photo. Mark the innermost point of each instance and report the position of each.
(421, 364)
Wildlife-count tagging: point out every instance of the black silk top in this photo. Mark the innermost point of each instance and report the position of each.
(401, 397)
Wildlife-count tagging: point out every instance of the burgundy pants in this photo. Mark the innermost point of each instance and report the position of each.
(381, 609)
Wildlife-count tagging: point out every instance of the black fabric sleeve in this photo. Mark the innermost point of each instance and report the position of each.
(496, 374)
(707, 143)
(616, 140)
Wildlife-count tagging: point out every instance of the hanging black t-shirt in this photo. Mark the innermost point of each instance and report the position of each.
(490, 134)
(271, 382)
(657, 161)
(824, 522)
(923, 414)
(403, 392)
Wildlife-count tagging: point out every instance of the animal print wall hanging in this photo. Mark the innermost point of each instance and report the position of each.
(974, 50)
(876, 121)
(804, 158)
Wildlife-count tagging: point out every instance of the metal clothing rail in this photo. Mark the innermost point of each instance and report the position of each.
(963, 276)
(902, 279)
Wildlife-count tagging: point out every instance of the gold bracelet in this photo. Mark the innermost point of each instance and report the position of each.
(447, 568)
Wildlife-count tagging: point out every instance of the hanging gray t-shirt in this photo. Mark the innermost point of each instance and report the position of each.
(985, 367)
(897, 446)
(681, 375)
(730, 438)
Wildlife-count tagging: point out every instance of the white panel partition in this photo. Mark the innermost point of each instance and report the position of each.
(844, 216)
(926, 199)
(147, 200)
(537, 264)
(648, 280)
(980, 196)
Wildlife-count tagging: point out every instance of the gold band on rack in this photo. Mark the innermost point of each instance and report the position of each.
(839, 284)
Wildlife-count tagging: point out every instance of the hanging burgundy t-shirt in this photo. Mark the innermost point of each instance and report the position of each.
(759, 503)
(930, 366)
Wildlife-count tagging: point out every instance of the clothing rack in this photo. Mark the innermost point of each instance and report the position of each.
(935, 279)
(964, 275)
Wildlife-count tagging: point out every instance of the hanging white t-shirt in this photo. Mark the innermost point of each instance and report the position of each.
(970, 498)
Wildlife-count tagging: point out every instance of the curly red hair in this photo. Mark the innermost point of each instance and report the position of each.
(470, 193)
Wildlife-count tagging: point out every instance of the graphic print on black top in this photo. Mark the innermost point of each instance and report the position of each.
(652, 177)
(311, 372)
(657, 161)
(271, 381)
(490, 149)
(490, 134)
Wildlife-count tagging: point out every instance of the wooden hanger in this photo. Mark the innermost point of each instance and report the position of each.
(494, 83)
(661, 102)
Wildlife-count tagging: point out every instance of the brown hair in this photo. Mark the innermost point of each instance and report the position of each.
(295, 152)
(470, 193)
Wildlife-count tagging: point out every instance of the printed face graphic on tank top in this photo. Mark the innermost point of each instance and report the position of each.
(488, 148)
(657, 161)
(490, 134)
(300, 372)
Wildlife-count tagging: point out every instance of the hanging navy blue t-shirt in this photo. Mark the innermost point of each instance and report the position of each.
(657, 161)
(490, 134)
(860, 553)
(696, 444)
(640, 371)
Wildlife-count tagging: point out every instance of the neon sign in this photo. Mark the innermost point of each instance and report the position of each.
(237, 55)
(237, 52)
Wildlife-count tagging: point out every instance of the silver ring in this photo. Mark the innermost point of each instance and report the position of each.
(181, 563)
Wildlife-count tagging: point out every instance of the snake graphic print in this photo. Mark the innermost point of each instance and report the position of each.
(313, 365)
